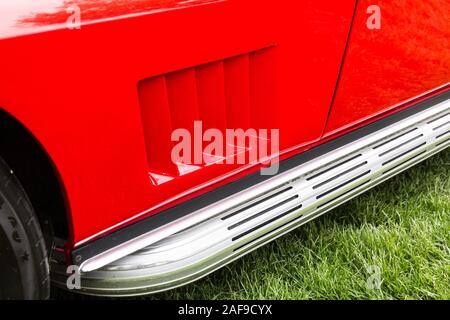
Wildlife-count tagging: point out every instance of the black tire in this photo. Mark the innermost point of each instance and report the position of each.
(24, 268)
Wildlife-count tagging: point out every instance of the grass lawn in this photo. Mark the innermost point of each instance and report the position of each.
(401, 229)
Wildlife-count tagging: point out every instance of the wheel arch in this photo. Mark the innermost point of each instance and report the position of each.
(39, 177)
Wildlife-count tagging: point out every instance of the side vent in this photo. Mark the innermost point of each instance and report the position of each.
(234, 93)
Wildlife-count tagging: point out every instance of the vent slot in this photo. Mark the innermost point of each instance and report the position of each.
(265, 224)
(333, 167)
(340, 175)
(256, 203)
(395, 138)
(343, 195)
(438, 118)
(342, 185)
(442, 125)
(404, 162)
(443, 134)
(244, 221)
(404, 154)
(400, 145)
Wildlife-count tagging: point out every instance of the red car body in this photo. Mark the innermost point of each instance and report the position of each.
(101, 100)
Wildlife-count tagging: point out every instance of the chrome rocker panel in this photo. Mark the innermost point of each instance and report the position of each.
(206, 240)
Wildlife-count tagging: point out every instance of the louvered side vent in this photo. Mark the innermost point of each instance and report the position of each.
(235, 93)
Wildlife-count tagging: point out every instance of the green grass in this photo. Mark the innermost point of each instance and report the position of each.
(401, 226)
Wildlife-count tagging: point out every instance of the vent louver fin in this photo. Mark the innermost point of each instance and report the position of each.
(157, 123)
(236, 93)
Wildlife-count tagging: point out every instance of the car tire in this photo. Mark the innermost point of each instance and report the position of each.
(24, 267)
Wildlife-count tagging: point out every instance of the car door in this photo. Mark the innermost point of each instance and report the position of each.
(391, 61)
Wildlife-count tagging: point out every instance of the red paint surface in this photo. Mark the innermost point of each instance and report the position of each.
(77, 90)
(384, 68)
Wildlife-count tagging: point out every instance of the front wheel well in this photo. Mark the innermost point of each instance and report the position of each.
(35, 171)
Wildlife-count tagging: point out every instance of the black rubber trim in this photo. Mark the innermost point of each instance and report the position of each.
(139, 228)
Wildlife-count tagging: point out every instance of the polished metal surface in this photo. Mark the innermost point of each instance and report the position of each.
(204, 241)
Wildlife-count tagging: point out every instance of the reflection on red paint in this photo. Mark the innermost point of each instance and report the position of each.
(102, 9)
(260, 63)
(408, 56)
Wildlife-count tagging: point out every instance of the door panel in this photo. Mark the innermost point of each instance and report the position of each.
(408, 56)
(135, 74)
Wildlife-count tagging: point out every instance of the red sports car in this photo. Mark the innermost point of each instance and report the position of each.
(146, 143)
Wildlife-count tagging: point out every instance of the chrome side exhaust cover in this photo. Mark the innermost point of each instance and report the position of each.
(206, 240)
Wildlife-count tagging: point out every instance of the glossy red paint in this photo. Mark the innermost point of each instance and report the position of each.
(77, 90)
(384, 69)
(25, 17)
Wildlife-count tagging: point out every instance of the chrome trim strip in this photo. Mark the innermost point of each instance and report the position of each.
(198, 244)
